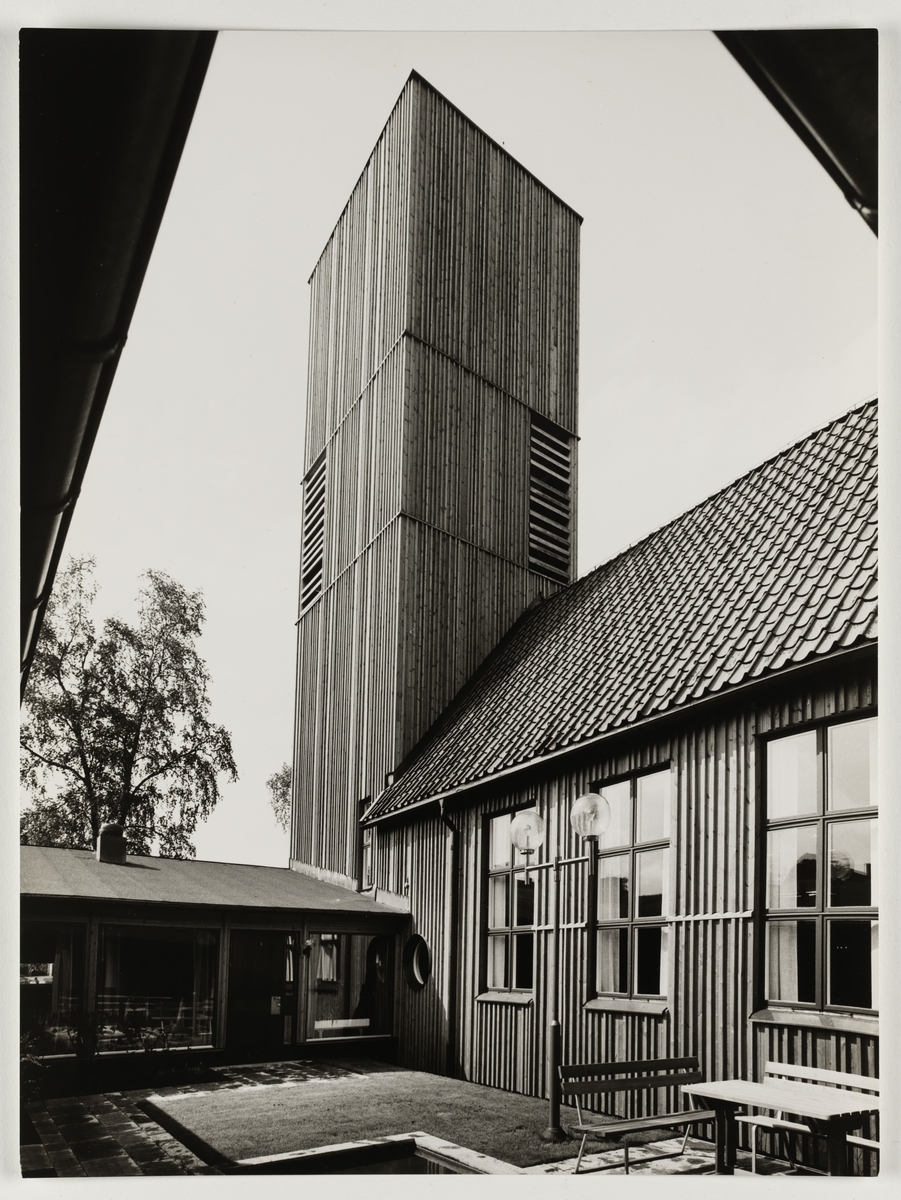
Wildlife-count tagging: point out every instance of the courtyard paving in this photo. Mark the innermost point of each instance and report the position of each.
(115, 1133)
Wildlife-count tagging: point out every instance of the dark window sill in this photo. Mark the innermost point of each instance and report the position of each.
(520, 998)
(650, 1008)
(843, 1022)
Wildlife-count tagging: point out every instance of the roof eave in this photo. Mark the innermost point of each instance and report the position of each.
(845, 655)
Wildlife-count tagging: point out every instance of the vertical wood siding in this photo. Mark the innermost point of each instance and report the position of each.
(712, 858)
(444, 305)
(494, 263)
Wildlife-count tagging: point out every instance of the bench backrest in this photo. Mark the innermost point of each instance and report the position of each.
(843, 1079)
(595, 1078)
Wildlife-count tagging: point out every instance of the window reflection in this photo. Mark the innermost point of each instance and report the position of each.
(651, 868)
(653, 806)
(51, 977)
(613, 887)
(791, 776)
(852, 765)
(619, 830)
(792, 867)
(852, 850)
(791, 961)
(156, 987)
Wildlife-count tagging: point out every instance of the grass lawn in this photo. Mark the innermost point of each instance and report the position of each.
(370, 1100)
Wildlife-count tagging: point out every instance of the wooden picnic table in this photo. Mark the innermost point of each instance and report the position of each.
(829, 1111)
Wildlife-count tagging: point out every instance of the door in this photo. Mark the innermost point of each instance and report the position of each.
(262, 995)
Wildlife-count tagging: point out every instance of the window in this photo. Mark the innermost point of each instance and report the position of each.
(820, 885)
(156, 987)
(312, 540)
(633, 889)
(510, 959)
(51, 977)
(550, 484)
(350, 985)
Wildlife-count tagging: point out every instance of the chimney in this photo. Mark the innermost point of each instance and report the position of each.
(111, 843)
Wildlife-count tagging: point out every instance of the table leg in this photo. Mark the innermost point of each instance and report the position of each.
(836, 1149)
(726, 1139)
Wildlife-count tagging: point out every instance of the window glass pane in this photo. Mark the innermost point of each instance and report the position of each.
(51, 977)
(650, 960)
(156, 987)
(613, 960)
(791, 769)
(524, 910)
(792, 867)
(619, 831)
(355, 999)
(498, 906)
(852, 764)
(523, 949)
(499, 847)
(652, 883)
(497, 962)
(653, 807)
(851, 962)
(613, 887)
(791, 953)
(852, 854)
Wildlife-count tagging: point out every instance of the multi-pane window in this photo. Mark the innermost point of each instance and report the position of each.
(822, 928)
(511, 912)
(633, 888)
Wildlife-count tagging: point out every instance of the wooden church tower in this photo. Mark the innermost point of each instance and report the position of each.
(439, 474)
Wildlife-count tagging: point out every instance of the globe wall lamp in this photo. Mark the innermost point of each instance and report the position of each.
(589, 817)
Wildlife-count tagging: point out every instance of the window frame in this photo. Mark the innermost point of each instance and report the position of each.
(821, 914)
(511, 929)
(631, 923)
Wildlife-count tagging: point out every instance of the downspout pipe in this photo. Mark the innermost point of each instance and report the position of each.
(454, 947)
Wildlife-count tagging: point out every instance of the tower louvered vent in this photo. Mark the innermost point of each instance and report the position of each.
(550, 487)
(312, 541)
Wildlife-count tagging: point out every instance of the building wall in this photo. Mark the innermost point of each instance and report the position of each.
(444, 311)
(713, 862)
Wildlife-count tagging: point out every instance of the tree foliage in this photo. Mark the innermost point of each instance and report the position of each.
(116, 724)
(279, 786)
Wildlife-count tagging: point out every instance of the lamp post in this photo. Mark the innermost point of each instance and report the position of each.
(589, 817)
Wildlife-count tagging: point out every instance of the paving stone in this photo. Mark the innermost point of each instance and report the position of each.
(65, 1164)
(162, 1168)
(99, 1167)
(97, 1148)
(53, 1141)
(75, 1134)
(144, 1154)
(115, 1120)
(34, 1158)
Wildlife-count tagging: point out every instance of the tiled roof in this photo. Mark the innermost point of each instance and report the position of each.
(773, 571)
(49, 871)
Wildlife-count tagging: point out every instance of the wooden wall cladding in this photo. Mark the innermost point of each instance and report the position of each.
(711, 984)
(448, 239)
(358, 288)
(444, 306)
(494, 263)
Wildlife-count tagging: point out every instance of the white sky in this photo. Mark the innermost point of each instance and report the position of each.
(728, 307)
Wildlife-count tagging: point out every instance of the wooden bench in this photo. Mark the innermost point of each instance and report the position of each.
(783, 1125)
(641, 1075)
